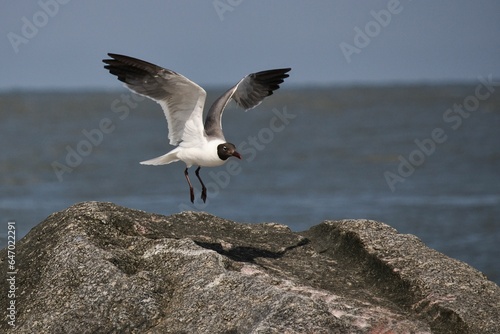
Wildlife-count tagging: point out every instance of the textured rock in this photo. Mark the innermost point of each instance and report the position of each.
(100, 268)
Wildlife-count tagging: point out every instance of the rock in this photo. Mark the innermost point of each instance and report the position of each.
(100, 268)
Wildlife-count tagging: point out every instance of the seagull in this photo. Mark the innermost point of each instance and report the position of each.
(182, 100)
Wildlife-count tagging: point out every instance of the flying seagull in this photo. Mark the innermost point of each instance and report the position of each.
(182, 102)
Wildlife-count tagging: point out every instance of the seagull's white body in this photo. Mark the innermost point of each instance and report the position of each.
(182, 101)
(204, 155)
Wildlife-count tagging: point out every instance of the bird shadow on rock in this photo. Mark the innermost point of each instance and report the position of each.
(248, 254)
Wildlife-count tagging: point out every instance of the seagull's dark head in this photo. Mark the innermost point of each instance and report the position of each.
(227, 150)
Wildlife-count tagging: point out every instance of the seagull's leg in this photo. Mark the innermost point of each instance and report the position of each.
(203, 188)
(191, 191)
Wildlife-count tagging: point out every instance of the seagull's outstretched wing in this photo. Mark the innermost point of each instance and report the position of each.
(181, 99)
(248, 93)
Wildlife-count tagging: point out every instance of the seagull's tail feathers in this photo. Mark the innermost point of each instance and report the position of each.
(162, 160)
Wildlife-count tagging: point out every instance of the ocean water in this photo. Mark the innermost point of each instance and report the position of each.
(424, 159)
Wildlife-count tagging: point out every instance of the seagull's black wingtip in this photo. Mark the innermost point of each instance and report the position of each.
(109, 61)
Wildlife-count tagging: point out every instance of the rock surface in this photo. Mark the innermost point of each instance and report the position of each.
(100, 268)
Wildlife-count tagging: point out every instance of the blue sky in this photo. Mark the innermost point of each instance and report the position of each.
(53, 44)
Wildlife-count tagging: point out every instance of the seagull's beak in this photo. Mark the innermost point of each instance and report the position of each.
(236, 154)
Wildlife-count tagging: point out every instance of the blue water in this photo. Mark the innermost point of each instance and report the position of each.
(309, 155)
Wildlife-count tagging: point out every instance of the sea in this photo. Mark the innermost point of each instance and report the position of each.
(422, 158)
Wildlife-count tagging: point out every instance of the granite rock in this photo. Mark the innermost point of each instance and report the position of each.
(101, 268)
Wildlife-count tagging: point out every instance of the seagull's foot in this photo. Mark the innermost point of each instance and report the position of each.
(191, 193)
(203, 188)
(204, 194)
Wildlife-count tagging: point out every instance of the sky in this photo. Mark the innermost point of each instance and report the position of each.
(59, 44)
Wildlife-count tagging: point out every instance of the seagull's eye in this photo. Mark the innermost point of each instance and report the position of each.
(224, 148)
